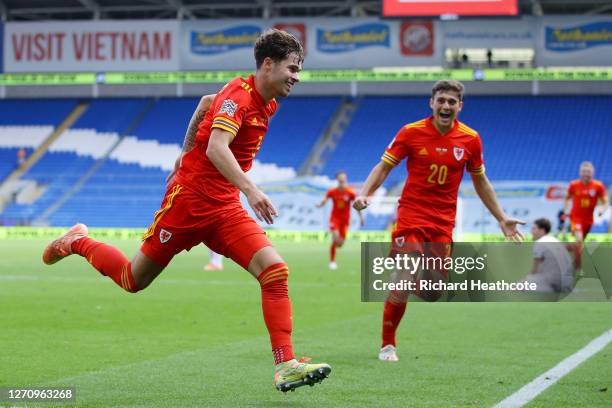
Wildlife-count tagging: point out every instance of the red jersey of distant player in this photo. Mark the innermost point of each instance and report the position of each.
(239, 109)
(584, 200)
(435, 164)
(341, 209)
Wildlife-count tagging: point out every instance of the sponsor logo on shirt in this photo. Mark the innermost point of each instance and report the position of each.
(441, 150)
(423, 152)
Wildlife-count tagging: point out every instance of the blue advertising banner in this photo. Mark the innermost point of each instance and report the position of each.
(574, 41)
(579, 37)
(222, 41)
(353, 37)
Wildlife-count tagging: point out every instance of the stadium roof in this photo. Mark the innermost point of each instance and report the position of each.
(27, 10)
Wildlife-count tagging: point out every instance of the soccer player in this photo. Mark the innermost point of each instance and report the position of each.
(553, 269)
(438, 149)
(342, 197)
(584, 194)
(202, 202)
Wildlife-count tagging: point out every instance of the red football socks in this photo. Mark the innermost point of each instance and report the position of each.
(277, 310)
(108, 260)
(392, 315)
(332, 252)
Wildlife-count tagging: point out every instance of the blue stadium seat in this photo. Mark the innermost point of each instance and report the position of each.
(295, 128)
(35, 111)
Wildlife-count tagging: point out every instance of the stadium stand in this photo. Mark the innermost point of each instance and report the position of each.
(132, 177)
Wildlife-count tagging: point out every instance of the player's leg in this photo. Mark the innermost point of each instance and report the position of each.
(251, 249)
(158, 248)
(411, 243)
(106, 259)
(332, 249)
(333, 228)
(341, 235)
(272, 273)
(215, 262)
(436, 251)
(577, 231)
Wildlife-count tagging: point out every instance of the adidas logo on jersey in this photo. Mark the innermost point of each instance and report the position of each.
(423, 152)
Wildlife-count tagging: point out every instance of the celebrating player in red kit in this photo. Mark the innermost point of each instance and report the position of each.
(584, 194)
(342, 197)
(202, 203)
(438, 150)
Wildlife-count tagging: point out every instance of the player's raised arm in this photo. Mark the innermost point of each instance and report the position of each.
(604, 202)
(221, 156)
(377, 176)
(487, 195)
(192, 129)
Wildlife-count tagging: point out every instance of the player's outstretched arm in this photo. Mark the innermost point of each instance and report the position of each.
(605, 203)
(221, 156)
(322, 203)
(377, 176)
(192, 130)
(484, 189)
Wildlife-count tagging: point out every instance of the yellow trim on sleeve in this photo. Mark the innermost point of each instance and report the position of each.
(389, 162)
(224, 127)
(226, 119)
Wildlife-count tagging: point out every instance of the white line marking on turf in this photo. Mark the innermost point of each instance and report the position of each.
(541, 383)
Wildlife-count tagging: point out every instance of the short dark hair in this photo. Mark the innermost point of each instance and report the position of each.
(276, 45)
(339, 172)
(543, 223)
(448, 85)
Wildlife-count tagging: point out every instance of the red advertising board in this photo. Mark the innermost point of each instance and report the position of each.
(406, 8)
(297, 29)
(417, 38)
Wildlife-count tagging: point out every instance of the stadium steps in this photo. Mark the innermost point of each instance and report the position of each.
(43, 218)
(42, 148)
(325, 146)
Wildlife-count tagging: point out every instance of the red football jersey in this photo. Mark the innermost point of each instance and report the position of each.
(435, 164)
(239, 109)
(341, 200)
(585, 197)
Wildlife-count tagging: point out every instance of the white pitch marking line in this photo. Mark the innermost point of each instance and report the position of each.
(550, 377)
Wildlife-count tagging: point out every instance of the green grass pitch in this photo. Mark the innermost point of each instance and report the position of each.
(197, 339)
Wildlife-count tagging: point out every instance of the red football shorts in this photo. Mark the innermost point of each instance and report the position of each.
(428, 241)
(576, 224)
(339, 226)
(186, 220)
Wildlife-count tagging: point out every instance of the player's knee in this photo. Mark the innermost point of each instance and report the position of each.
(430, 295)
(276, 274)
(339, 242)
(273, 282)
(399, 296)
